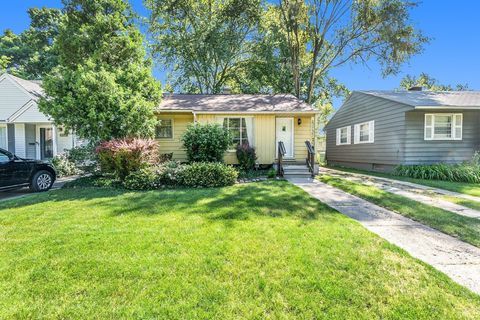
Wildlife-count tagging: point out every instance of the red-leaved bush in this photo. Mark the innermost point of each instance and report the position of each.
(123, 156)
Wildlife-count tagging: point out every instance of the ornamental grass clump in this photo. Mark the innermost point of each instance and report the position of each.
(123, 156)
(465, 172)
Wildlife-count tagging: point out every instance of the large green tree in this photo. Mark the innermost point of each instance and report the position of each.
(202, 42)
(103, 86)
(429, 83)
(30, 54)
(314, 37)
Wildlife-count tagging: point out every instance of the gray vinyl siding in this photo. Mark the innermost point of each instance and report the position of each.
(11, 137)
(386, 151)
(421, 151)
(30, 147)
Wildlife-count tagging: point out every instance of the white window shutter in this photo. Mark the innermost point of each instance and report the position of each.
(349, 134)
(428, 127)
(356, 134)
(371, 131)
(457, 126)
(338, 136)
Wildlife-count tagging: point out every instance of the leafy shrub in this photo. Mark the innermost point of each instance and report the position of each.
(170, 173)
(272, 173)
(144, 179)
(208, 174)
(448, 172)
(123, 156)
(84, 157)
(64, 166)
(246, 156)
(206, 142)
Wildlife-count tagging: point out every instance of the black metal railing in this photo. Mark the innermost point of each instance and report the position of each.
(310, 157)
(281, 153)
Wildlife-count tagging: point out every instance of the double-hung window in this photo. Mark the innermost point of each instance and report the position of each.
(164, 129)
(240, 129)
(3, 137)
(443, 126)
(344, 135)
(364, 132)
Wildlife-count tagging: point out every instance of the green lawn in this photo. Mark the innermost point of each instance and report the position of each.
(472, 189)
(261, 250)
(464, 228)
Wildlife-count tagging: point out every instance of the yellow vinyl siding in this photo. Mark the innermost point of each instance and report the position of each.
(174, 145)
(264, 135)
(302, 133)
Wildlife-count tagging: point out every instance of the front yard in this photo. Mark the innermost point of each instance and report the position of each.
(260, 250)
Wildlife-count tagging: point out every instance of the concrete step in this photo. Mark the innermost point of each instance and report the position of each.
(296, 171)
(303, 176)
(295, 166)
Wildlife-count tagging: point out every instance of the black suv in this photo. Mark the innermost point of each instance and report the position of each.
(16, 172)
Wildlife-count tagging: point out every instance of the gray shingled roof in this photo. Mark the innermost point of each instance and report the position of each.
(430, 98)
(33, 87)
(234, 103)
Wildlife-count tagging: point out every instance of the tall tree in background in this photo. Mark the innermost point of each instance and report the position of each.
(30, 54)
(324, 34)
(103, 86)
(203, 42)
(427, 82)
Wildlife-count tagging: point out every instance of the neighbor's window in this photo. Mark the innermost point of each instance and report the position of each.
(3, 137)
(164, 129)
(344, 135)
(443, 126)
(364, 132)
(240, 129)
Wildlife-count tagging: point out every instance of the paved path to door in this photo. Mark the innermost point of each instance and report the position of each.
(423, 194)
(459, 260)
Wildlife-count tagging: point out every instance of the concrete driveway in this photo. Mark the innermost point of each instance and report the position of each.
(17, 193)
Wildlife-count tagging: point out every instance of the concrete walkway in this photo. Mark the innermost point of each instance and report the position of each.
(459, 260)
(423, 194)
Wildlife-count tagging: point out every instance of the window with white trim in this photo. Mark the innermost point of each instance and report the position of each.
(344, 135)
(3, 137)
(443, 126)
(164, 129)
(240, 129)
(364, 132)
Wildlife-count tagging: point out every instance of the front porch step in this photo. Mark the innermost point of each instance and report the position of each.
(296, 171)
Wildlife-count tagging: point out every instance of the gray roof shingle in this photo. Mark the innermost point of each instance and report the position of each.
(431, 98)
(251, 103)
(31, 86)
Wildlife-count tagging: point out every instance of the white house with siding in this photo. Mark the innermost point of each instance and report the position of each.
(24, 130)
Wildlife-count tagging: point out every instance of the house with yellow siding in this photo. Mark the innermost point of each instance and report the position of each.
(261, 120)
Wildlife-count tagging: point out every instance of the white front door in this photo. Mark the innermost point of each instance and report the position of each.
(285, 134)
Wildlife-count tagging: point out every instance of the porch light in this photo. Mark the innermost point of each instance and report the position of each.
(299, 121)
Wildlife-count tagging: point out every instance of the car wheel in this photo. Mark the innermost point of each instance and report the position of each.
(41, 181)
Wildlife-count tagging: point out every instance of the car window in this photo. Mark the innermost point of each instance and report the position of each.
(4, 157)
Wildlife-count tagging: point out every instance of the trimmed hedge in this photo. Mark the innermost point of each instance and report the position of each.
(208, 174)
(198, 174)
(447, 172)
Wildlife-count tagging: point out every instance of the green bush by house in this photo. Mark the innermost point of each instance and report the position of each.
(206, 142)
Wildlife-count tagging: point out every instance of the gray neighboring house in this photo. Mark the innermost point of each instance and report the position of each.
(377, 130)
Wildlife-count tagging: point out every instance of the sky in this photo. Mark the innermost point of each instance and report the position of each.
(452, 56)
